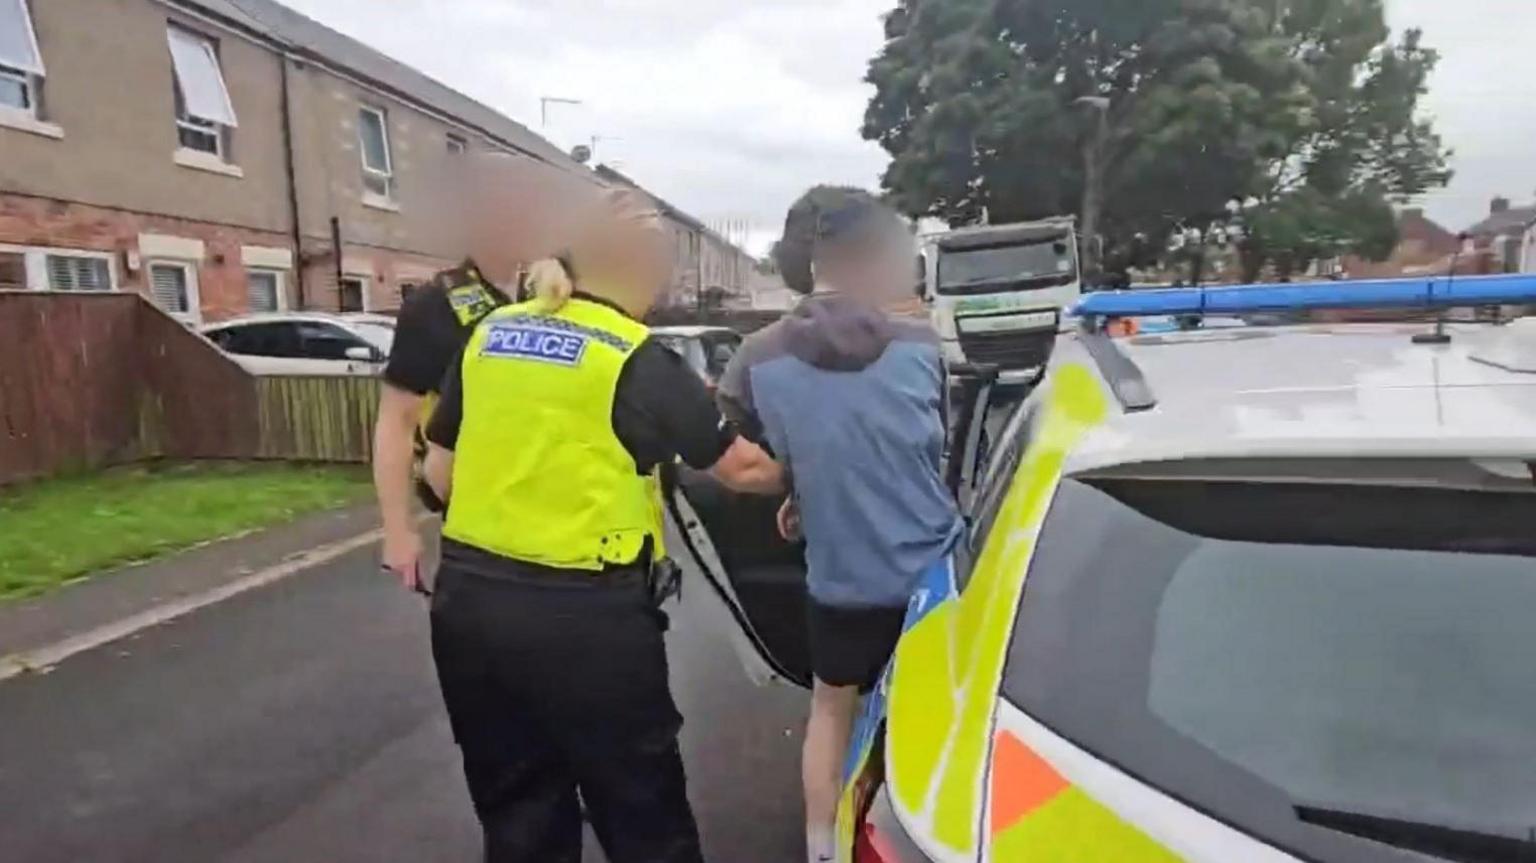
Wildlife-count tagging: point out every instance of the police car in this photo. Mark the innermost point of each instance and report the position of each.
(1237, 596)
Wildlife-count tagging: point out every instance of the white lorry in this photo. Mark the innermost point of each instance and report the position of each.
(998, 293)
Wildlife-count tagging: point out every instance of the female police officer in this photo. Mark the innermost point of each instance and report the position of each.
(505, 211)
(547, 640)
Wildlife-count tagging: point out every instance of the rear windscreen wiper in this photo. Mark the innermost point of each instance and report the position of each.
(1449, 843)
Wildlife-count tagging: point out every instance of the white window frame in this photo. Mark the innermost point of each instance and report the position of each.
(30, 77)
(386, 199)
(220, 132)
(280, 285)
(35, 262)
(194, 312)
(29, 86)
(366, 282)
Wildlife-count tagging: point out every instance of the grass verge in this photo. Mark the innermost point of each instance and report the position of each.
(56, 531)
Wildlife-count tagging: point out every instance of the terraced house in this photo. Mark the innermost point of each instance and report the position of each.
(224, 156)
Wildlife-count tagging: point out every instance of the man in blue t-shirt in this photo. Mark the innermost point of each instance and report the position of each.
(849, 396)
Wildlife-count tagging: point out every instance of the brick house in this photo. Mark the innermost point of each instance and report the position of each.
(211, 153)
(1424, 247)
(705, 264)
(1506, 238)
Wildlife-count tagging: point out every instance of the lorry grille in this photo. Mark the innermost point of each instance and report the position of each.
(1009, 350)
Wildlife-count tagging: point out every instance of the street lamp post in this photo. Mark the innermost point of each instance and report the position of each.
(1094, 146)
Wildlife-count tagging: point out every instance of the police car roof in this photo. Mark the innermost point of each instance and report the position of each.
(1324, 391)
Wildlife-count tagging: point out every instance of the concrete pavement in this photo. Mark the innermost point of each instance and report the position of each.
(301, 722)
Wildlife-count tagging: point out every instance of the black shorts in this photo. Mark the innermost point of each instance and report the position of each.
(851, 646)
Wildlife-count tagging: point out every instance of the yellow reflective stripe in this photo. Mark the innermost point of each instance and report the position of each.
(1074, 828)
(923, 706)
(950, 664)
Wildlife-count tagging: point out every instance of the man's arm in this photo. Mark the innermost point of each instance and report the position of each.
(423, 347)
(663, 411)
(393, 454)
(747, 467)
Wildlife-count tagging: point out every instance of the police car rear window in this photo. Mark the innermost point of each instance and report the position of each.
(1342, 671)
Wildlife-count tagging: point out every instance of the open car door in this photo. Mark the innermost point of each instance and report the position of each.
(733, 541)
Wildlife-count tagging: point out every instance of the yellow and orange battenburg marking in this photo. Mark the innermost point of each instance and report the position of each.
(950, 663)
(1038, 816)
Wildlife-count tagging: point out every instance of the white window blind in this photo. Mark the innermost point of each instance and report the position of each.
(18, 41)
(168, 287)
(78, 273)
(198, 76)
(263, 289)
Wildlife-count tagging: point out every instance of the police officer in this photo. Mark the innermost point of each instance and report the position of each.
(493, 199)
(546, 629)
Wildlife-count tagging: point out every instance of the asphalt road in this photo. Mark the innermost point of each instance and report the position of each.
(301, 722)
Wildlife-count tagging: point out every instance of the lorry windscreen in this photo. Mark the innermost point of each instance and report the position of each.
(1039, 264)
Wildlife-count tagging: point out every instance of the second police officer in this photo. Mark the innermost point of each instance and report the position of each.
(545, 626)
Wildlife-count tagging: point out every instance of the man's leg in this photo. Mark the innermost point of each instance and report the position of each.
(523, 791)
(833, 711)
(849, 649)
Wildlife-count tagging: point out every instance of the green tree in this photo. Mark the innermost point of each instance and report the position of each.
(1169, 115)
(1363, 146)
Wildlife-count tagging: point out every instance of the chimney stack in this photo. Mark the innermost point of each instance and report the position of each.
(1499, 205)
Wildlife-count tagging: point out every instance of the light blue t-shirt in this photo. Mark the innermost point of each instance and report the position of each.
(851, 401)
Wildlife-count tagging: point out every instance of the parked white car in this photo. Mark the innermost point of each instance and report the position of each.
(306, 343)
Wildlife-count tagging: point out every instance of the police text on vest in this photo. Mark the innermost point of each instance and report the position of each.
(533, 343)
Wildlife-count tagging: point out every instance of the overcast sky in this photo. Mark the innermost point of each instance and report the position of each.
(730, 108)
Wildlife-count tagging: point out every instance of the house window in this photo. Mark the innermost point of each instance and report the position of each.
(13, 271)
(78, 273)
(264, 290)
(204, 112)
(352, 294)
(21, 62)
(456, 145)
(173, 287)
(378, 167)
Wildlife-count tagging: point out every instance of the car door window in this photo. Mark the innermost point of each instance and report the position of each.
(718, 351)
(275, 339)
(322, 341)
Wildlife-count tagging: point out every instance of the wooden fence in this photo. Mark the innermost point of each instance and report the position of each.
(317, 419)
(90, 380)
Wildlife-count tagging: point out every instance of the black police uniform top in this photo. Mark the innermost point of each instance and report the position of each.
(435, 323)
(661, 411)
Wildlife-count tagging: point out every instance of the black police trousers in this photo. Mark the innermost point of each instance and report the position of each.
(558, 696)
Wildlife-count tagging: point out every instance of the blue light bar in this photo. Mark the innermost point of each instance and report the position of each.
(1422, 293)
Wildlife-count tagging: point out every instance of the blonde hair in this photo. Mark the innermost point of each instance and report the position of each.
(550, 279)
(551, 284)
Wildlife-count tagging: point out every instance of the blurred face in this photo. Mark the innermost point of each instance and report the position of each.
(628, 251)
(876, 267)
(621, 251)
(510, 210)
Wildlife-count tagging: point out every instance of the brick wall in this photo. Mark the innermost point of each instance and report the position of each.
(385, 271)
(221, 274)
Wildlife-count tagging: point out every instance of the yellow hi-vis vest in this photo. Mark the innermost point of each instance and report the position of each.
(539, 474)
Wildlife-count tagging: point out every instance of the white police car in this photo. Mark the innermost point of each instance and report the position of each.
(1262, 594)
